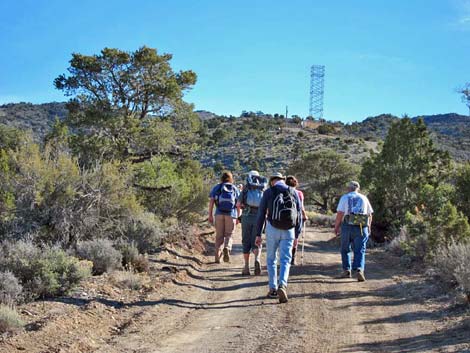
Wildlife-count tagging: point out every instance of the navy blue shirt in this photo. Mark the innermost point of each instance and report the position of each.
(267, 204)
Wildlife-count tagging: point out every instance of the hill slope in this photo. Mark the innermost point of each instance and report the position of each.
(270, 142)
(38, 118)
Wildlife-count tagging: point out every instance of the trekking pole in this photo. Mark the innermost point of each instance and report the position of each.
(303, 246)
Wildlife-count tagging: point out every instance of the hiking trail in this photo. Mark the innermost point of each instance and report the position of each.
(212, 308)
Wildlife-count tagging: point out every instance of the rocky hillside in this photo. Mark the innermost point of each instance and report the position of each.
(38, 118)
(270, 142)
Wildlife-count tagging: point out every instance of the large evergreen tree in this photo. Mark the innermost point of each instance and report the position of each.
(128, 105)
(408, 161)
(324, 175)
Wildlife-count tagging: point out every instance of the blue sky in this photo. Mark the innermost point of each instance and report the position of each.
(381, 56)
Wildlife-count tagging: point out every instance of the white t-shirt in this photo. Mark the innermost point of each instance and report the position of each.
(354, 202)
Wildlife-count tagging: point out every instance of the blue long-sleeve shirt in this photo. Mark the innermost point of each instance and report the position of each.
(266, 207)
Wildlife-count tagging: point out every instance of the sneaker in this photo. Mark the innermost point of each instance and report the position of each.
(282, 293)
(272, 293)
(246, 271)
(360, 276)
(257, 268)
(226, 255)
(217, 261)
(346, 274)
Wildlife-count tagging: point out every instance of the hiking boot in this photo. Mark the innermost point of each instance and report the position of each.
(226, 255)
(272, 293)
(360, 276)
(345, 274)
(257, 268)
(282, 293)
(246, 271)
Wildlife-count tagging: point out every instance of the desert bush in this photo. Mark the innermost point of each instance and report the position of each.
(435, 224)
(145, 231)
(129, 253)
(453, 265)
(9, 319)
(10, 288)
(166, 187)
(127, 280)
(102, 253)
(42, 272)
(320, 219)
(141, 264)
(54, 199)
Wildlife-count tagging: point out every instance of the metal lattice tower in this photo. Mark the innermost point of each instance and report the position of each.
(317, 89)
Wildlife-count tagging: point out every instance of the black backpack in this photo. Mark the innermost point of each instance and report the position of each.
(284, 208)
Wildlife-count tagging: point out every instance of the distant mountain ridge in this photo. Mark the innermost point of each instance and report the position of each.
(450, 131)
(38, 118)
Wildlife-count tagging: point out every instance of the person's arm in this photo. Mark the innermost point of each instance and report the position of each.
(261, 217)
(298, 226)
(339, 219)
(370, 222)
(211, 210)
(239, 212)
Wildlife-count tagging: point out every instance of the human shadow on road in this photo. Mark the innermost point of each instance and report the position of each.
(223, 289)
(229, 304)
(435, 341)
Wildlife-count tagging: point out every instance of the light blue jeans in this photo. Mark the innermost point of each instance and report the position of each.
(284, 240)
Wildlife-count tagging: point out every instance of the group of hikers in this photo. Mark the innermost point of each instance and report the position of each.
(275, 207)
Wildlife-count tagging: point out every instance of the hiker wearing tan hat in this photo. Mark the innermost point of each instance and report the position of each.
(280, 208)
(353, 221)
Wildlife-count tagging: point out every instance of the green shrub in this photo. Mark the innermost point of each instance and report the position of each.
(10, 288)
(101, 252)
(435, 224)
(9, 319)
(57, 273)
(43, 271)
(145, 231)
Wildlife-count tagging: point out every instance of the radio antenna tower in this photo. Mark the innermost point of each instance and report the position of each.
(317, 89)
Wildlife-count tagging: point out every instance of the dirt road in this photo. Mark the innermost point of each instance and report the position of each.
(212, 308)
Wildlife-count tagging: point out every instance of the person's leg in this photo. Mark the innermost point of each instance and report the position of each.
(256, 250)
(219, 235)
(346, 247)
(360, 244)
(285, 255)
(228, 231)
(246, 244)
(272, 243)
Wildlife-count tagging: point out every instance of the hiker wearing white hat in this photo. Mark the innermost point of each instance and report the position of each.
(249, 202)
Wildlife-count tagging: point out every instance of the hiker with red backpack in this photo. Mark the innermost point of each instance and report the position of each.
(293, 182)
(280, 208)
(225, 197)
(249, 202)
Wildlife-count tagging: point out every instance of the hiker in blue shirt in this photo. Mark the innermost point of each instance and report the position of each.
(224, 196)
(281, 209)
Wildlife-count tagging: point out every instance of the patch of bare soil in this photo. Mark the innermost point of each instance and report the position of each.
(189, 304)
